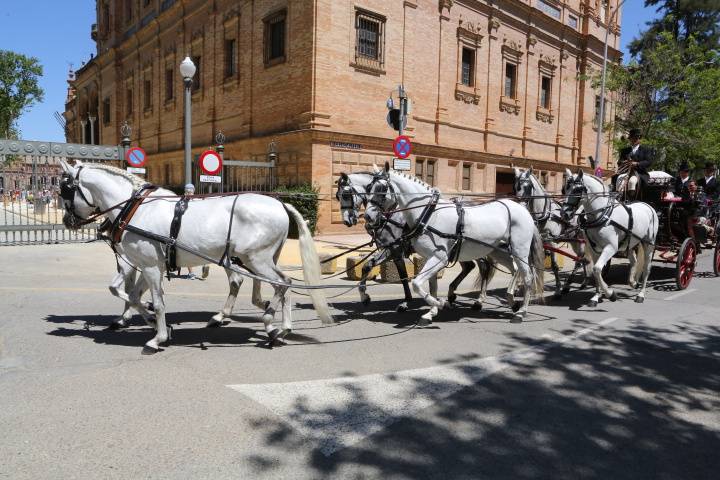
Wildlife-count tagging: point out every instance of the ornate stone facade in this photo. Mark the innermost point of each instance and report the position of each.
(474, 72)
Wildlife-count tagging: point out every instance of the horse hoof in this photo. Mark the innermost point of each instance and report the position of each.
(613, 297)
(149, 350)
(401, 308)
(639, 299)
(118, 325)
(517, 318)
(477, 305)
(515, 307)
(452, 297)
(275, 338)
(592, 304)
(424, 322)
(366, 301)
(213, 324)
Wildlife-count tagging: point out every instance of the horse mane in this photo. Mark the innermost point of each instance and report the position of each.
(412, 179)
(599, 180)
(136, 181)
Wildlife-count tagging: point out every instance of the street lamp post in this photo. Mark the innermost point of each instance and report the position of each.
(598, 137)
(187, 70)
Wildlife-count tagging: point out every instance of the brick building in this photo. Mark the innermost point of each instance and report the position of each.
(493, 84)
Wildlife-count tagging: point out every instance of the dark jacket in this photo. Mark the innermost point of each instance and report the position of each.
(644, 157)
(680, 189)
(711, 189)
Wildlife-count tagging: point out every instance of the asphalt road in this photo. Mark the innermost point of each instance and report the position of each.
(621, 391)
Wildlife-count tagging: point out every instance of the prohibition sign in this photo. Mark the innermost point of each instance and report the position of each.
(136, 157)
(210, 162)
(402, 146)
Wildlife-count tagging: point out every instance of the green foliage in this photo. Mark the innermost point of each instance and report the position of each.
(672, 96)
(19, 88)
(682, 19)
(304, 198)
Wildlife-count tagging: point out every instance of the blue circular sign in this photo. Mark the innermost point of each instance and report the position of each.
(136, 157)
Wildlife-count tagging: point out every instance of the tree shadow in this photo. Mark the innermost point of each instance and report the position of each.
(626, 404)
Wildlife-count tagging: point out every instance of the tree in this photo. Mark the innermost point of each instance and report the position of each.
(19, 88)
(683, 19)
(672, 96)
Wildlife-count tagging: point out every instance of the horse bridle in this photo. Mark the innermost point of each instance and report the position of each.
(69, 186)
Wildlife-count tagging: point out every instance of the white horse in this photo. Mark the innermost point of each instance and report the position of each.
(611, 226)
(352, 193)
(553, 227)
(503, 230)
(248, 228)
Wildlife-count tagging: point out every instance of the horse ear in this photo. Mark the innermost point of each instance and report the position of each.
(568, 173)
(343, 176)
(65, 166)
(531, 170)
(517, 172)
(580, 173)
(387, 167)
(375, 168)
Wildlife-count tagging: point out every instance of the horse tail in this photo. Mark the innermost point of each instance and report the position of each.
(486, 272)
(311, 265)
(537, 264)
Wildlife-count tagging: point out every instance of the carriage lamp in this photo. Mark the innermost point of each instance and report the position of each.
(187, 70)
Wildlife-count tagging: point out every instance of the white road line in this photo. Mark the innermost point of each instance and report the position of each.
(679, 294)
(339, 412)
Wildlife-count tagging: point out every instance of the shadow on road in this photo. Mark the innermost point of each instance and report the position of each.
(629, 404)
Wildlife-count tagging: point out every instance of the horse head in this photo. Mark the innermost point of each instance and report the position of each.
(349, 199)
(523, 187)
(77, 200)
(575, 190)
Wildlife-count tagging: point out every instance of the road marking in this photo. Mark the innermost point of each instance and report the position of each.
(679, 294)
(339, 412)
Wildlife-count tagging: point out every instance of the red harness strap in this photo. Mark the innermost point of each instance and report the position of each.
(127, 214)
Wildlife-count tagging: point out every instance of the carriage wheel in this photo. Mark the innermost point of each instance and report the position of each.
(685, 265)
(716, 258)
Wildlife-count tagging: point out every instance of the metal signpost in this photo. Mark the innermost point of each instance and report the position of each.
(397, 120)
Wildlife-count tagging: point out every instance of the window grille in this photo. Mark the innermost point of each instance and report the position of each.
(275, 38)
(468, 67)
(369, 39)
(510, 80)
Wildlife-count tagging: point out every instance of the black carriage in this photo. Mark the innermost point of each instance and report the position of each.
(674, 244)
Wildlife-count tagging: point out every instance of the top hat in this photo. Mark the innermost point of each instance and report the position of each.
(684, 167)
(709, 165)
(634, 133)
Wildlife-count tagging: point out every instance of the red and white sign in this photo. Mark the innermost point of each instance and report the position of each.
(136, 157)
(210, 162)
(402, 146)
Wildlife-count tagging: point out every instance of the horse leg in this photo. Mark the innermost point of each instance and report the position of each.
(525, 273)
(399, 261)
(131, 295)
(632, 259)
(153, 277)
(268, 270)
(235, 280)
(257, 296)
(467, 267)
(607, 253)
(648, 252)
(556, 271)
(126, 278)
(486, 269)
(433, 265)
(375, 259)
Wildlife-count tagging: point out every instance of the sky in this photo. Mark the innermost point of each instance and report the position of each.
(57, 32)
